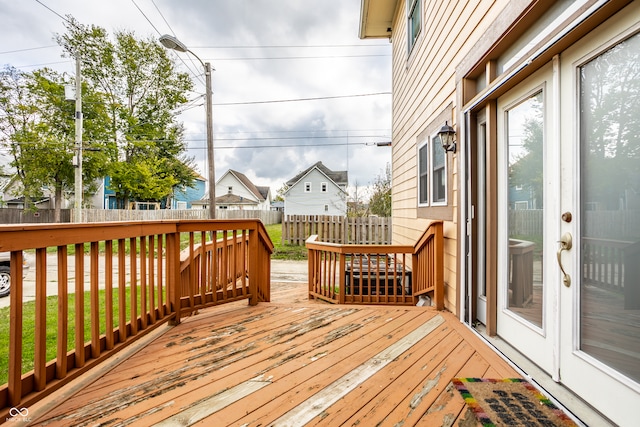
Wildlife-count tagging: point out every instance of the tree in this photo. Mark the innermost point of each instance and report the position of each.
(38, 126)
(280, 193)
(356, 207)
(142, 91)
(380, 201)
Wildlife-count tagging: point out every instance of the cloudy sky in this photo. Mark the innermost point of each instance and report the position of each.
(293, 83)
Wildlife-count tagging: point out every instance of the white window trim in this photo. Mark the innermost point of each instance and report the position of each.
(433, 147)
(307, 187)
(324, 187)
(429, 145)
(411, 41)
(424, 144)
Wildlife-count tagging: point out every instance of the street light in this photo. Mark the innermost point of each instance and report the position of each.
(170, 42)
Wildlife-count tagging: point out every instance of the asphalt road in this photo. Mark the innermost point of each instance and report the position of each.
(281, 271)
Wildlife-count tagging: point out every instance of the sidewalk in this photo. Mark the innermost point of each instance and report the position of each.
(281, 271)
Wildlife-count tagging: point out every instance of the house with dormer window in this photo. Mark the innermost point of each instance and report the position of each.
(317, 190)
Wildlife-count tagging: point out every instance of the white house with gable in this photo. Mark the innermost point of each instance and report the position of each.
(317, 191)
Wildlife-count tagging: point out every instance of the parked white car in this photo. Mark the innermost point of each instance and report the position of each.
(5, 274)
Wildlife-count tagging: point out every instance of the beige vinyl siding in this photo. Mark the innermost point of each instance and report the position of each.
(424, 85)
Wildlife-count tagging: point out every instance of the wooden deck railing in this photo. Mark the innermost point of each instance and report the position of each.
(613, 265)
(122, 281)
(378, 274)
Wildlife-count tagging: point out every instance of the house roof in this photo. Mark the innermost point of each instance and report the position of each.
(232, 199)
(338, 177)
(261, 192)
(376, 17)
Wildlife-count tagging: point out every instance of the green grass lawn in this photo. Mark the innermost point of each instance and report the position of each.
(28, 336)
(284, 251)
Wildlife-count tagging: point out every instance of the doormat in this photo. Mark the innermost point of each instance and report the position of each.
(509, 402)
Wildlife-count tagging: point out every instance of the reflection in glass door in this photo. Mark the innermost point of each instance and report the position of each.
(610, 207)
(525, 131)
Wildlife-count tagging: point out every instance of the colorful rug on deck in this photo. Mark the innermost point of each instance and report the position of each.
(509, 402)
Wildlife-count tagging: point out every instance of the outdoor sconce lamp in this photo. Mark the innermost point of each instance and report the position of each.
(447, 137)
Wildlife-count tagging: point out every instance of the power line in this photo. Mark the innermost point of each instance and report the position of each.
(51, 10)
(28, 49)
(162, 16)
(291, 46)
(302, 99)
(145, 16)
(300, 57)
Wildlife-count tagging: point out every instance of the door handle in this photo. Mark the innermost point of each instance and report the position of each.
(566, 243)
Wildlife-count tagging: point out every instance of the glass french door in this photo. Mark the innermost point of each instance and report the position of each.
(528, 156)
(600, 212)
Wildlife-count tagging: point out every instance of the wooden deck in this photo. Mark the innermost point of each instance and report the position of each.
(289, 362)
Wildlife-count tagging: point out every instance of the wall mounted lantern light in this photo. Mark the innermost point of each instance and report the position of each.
(447, 137)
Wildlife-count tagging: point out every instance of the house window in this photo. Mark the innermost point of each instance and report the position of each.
(229, 190)
(433, 174)
(323, 187)
(307, 187)
(438, 172)
(326, 208)
(423, 175)
(414, 22)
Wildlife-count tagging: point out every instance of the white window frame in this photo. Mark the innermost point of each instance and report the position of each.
(307, 187)
(430, 144)
(436, 145)
(412, 38)
(424, 145)
(324, 187)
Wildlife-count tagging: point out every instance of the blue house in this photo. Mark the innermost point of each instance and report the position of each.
(182, 196)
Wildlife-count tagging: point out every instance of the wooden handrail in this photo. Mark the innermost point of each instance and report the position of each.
(137, 272)
(378, 274)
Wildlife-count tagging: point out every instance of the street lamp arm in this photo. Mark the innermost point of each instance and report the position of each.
(171, 42)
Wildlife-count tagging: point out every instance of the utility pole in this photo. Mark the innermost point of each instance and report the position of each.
(210, 160)
(78, 146)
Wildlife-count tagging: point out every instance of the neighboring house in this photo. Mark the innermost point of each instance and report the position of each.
(317, 191)
(555, 83)
(184, 197)
(234, 191)
(11, 186)
(277, 206)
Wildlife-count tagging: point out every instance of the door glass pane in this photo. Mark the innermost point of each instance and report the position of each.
(525, 125)
(610, 207)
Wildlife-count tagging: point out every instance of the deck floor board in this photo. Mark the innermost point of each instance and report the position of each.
(285, 361)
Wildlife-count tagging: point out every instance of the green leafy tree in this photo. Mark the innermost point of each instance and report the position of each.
(39, 127)
(142, 91)
(380, 201)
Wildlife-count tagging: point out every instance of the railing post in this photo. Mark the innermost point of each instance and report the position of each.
(254, 266)
(438, 270)
(15, 330)
(173, 275)
(342, 279)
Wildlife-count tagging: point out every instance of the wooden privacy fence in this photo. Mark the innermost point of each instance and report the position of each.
(598, 224)
(42, 216)
(140, 275)
(296, 229)
(378, 274)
